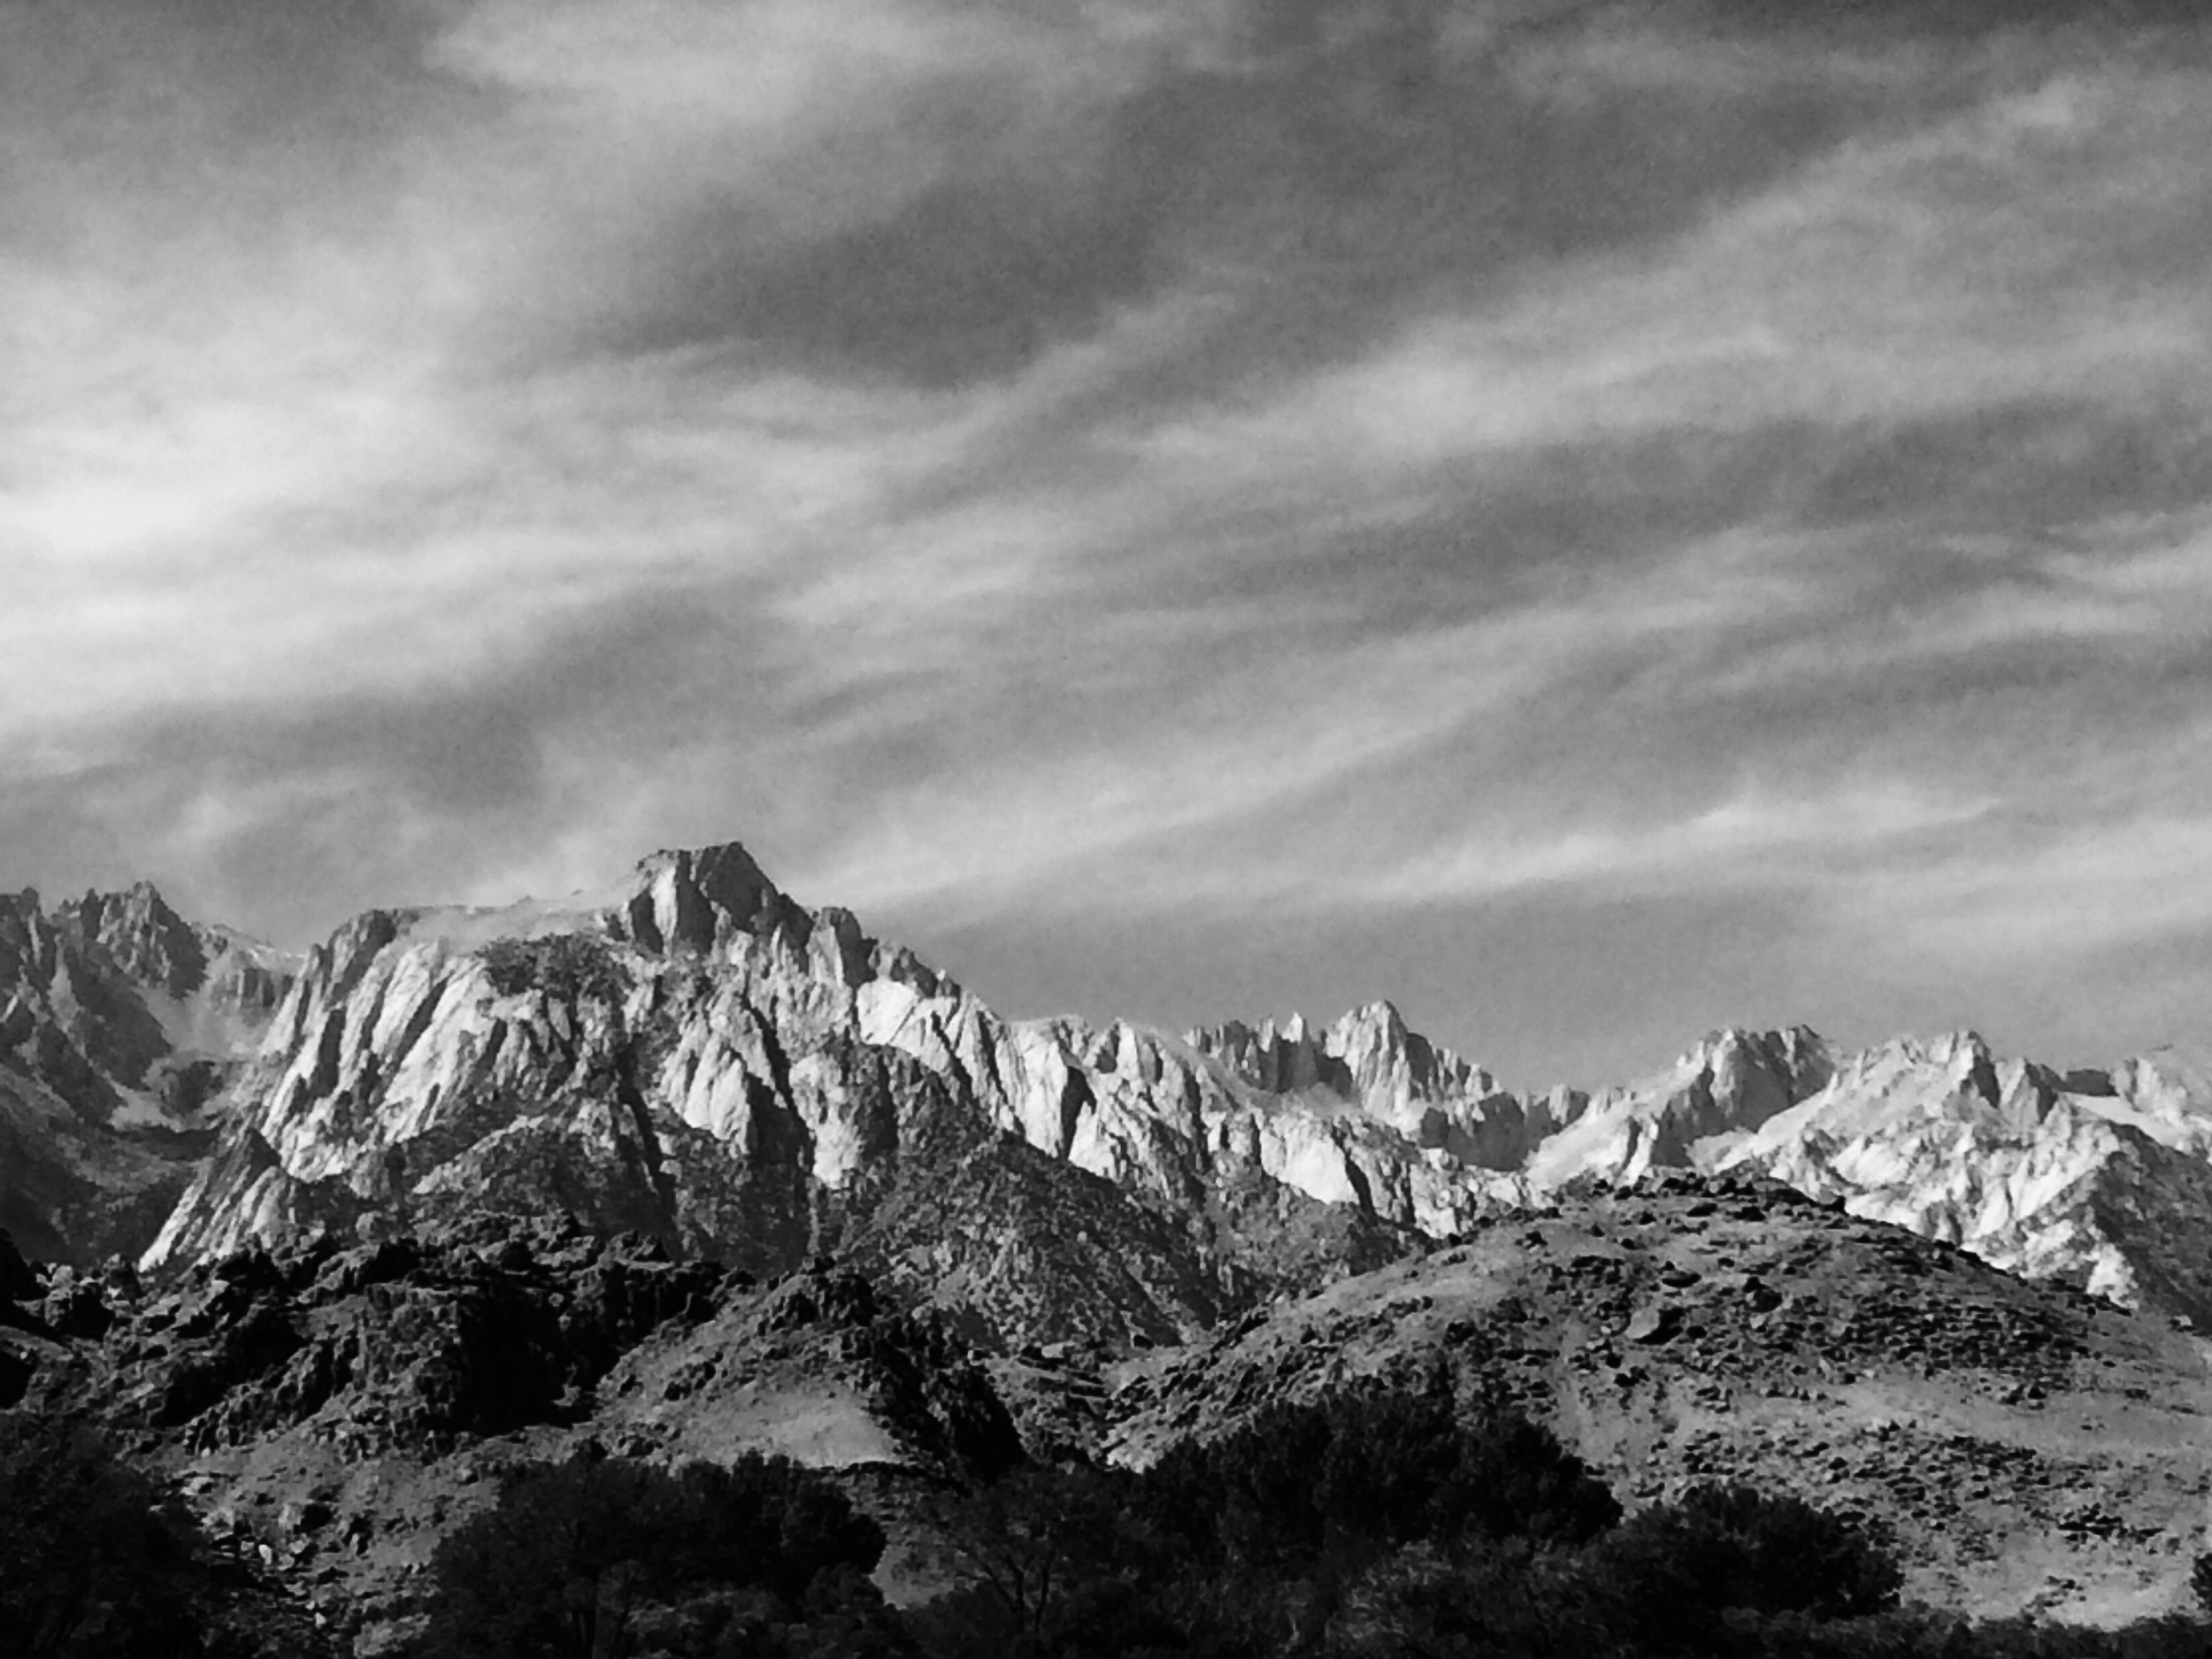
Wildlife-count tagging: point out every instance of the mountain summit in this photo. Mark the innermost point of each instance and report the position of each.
(120, 1022)
(694, 1054)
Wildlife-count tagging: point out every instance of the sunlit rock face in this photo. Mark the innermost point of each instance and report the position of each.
(1721, 1090)
(120, 1026)
(702, 1018)
(2100, 1181)
(695, 1055)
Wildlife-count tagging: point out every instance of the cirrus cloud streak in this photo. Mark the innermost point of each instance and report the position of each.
(1273, 478)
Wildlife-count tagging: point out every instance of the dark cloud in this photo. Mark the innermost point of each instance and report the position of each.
(2034, 712)
(1499, 532)
(191, 118)
(971, 279)
(2047, 461)
(1952, 17)
(51, 839)
(1335, 183)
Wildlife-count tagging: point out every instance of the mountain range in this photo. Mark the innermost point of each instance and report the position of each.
(121, 1029)
(682, 1166)
(693, 1055)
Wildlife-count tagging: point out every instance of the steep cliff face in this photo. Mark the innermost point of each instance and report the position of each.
(2102, 1180)
(695, 1055)
(1725, 1088)
(120, 1025)
(700, 1058)
(2099, 1182)
(212, 990)
(710, 995)
(1428, 1097)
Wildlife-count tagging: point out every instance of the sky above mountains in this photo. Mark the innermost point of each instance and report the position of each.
(1593, 521)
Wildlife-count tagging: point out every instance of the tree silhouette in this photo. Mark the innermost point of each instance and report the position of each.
(1358, 1473)
(92, 1559)
(576, 1559)
(1671, 1573)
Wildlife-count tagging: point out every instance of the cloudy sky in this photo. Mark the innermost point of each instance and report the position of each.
(1594, 521)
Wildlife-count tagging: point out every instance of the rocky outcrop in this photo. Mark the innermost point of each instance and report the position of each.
(2031, 1445)
(143, 937)
(2100, 1180)
(1729, 1085)
(331, 1412)
(410, 1344)
(2101, 1184)
(1431, 1098)
(120, 1024)
(821, 1365)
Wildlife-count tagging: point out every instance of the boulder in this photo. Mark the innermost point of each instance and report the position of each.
(1658, 1323)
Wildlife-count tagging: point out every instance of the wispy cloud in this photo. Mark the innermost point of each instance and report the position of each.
(1375, 467)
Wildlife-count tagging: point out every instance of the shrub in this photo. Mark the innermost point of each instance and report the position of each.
(1252, 1495)
(1500, 1605)
(578, 1558)
(1033, 1540)
(92, 1561)
(1410, 1469)
(567, 967)
(1364, 1472)
(1245, 1544)
(1673, 1573)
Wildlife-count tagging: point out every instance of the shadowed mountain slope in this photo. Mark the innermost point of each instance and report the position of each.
(119, 1024)
(2033, 1447)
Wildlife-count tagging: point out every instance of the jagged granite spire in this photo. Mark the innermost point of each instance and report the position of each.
(149, 941)
(696, 900)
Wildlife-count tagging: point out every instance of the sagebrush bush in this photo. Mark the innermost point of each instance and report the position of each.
(93, 1559)
(596, 1557)
(567, 967)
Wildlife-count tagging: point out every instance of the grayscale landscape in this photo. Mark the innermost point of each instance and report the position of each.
(1646, 563)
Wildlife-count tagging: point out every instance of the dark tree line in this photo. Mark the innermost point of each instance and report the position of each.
(1387, 1525)
(97, 1562)
(599, 1558)
(91, 1559)
(1369, 1526)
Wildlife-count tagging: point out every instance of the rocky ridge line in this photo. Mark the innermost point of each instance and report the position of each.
(698, 1055)
(120, 1024)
